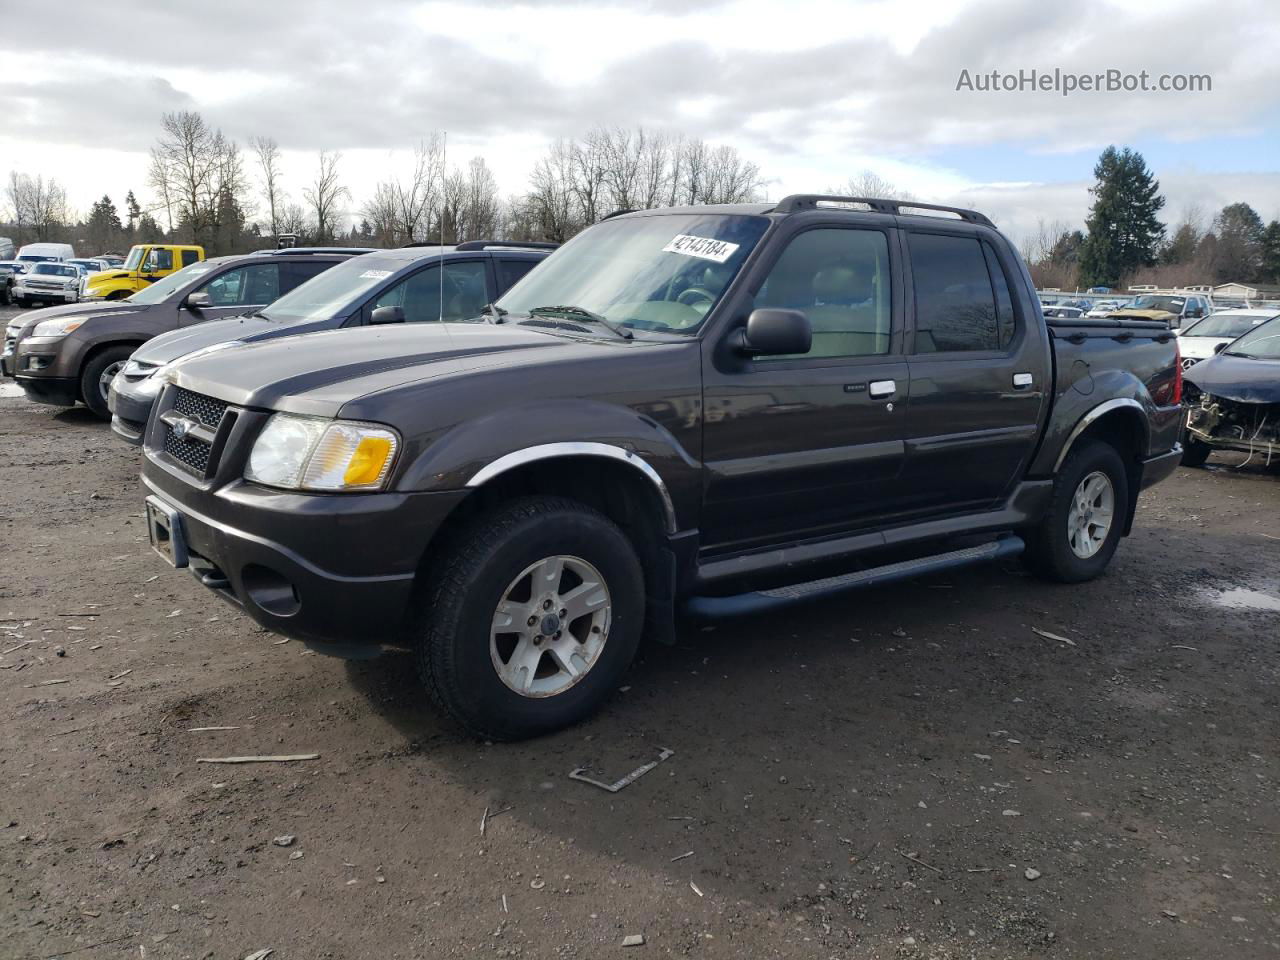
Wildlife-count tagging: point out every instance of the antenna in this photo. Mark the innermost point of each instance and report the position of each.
(444, 175)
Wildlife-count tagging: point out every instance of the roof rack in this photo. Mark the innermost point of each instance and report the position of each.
(810, 201)
(617, 213)
(517, 244)
(285, 251)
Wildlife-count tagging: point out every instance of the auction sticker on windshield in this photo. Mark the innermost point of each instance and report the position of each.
(375, 274)
(704, 248)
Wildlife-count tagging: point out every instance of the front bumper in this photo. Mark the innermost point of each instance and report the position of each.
(336, 571)
(129, 412)
(57, 391)
(64, 295)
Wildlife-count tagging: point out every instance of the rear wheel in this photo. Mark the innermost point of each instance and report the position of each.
(95, 381)
(533, 615)
(1087, 512)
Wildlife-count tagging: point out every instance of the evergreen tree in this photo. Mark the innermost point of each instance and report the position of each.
(1066, 251)
(1239, 230)
(132, 211)
(1124, 232)
(1271, 253)
(103, 225)
(1182, 247)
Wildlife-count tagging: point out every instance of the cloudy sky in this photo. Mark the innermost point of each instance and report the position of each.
(814, 91)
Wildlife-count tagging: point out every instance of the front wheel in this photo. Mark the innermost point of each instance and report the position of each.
(533, 615)
(95, 381)
(1088, 510)
(1194, 452)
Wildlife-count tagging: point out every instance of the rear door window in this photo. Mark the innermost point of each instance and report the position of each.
(509, 271)
(956, 303)
(295, 273)
(189, 257)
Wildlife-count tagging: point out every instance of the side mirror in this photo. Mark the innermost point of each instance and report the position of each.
(1219, 347)
(774, 332)
(199, 300)
(387, 315)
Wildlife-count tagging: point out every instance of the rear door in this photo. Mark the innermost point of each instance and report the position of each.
(805, 445)
(979, 371)
(508, 270)
(426, 296)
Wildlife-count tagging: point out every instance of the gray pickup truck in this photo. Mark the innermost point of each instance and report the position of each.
(715, 410)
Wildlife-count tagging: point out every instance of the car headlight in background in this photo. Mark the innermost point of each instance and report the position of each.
(57, 328)
(308, 453)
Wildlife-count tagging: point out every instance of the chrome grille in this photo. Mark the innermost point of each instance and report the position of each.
(199, 407)
(191, 451)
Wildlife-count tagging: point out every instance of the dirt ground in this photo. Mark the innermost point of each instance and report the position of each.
(904, 772)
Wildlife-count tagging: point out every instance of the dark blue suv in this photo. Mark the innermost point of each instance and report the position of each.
(413, 284)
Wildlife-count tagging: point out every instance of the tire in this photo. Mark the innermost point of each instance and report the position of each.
(1056, 547)
(1194, 452)
(96, 377)
(459, 649)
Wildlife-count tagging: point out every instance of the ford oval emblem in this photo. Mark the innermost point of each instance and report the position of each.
(182, 427)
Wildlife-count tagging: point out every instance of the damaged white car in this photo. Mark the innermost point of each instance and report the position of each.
(1205, 338)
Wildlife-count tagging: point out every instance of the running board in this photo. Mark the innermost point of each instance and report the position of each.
(762, 600)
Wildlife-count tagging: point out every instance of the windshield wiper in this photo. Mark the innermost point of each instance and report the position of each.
(581, 313)
(495, 311)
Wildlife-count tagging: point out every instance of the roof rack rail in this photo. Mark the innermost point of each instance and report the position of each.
(286, 251)
(810, 201)
(617, 213)
(517, 244)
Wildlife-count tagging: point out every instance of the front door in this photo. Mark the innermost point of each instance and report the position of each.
(238, 290)
(979, 373)
(804, 445)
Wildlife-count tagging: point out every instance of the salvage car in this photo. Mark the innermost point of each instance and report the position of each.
(1206, 337)
(350, 295)
(1174, 310)
(1234, 399)
(68, 355)
(715, 409)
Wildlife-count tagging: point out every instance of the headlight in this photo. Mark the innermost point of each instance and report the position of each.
(308, 453)
(57, 328)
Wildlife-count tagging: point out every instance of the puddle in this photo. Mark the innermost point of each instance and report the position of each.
(1242, 598)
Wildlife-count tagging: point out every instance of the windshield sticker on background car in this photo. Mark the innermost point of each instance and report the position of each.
(375, 274)
(704, 248)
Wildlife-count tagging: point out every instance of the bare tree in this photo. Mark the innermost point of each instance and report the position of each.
(868, 183)
(324, 196)
(267, 153)
(38, 205)
(199, 175)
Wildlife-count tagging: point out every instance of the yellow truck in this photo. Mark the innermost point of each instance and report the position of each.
(146, 263)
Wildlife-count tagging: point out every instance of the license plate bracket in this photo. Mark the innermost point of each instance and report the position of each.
(164, 528)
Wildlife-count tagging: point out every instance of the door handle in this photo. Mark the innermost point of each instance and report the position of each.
(1023, 380)
(882, 388)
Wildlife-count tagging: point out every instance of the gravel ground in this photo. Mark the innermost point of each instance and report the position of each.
(905, 772)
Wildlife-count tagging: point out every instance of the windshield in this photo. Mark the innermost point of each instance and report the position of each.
(165, 286)
(1168, 304)
(331, 293)
(1225, 325)
(55, 269)
(1260, 343)
(35, 258)
(134, 258)
(662, 273)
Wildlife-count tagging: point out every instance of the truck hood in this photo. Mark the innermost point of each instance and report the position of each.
(87, 310)
(1238, 378)
(178, 343)
(1163, 315)
(318, 373)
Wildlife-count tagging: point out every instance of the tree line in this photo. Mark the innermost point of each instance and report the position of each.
(205, 188)
(1125, 242)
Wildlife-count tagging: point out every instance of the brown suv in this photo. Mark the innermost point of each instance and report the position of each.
(67, 354)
